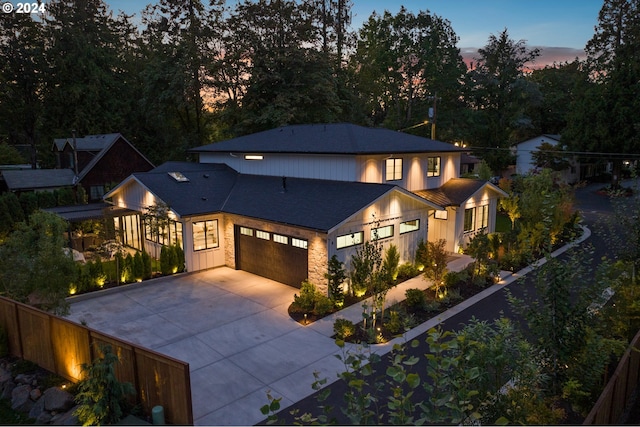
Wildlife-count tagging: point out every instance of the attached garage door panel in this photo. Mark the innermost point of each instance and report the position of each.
(281, 262)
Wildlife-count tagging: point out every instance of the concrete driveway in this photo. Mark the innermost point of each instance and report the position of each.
(233, 329)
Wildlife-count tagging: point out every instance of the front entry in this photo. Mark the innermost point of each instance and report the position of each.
(275, 256)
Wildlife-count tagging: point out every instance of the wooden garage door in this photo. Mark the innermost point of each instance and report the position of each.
(275, 256)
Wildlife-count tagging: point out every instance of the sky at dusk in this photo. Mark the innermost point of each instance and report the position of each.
(561, 28)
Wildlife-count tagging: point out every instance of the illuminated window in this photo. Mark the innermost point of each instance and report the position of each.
(433, 166)
(299, 243)
(262, 235)
(350, 240)
(280, 239)
(408, 226)
(441, 214)
(382, 232)
(394, 169)
(246, 231)
(253, 157)
(469, 219)
(205, 235)
(483, 216)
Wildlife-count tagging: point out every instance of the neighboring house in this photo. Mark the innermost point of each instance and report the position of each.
(281, 203)
(24, 180)
(285, 229)
(525, 163)
(102, 161)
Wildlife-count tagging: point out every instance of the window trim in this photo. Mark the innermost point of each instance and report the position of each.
(392, 165)
(377, 237)
(437, 169)
(405, 224)
(469, 225)
(353, 239)
(213, 227)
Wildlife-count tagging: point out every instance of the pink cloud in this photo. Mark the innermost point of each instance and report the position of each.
(548, 55)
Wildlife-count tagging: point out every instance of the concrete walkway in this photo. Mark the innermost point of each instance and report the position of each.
(233, 329)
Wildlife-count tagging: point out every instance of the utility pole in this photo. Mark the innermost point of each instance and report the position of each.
(433, 115)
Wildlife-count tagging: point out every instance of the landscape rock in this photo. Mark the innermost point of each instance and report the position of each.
(37, 410)
(7, 389)
(58, 400)
(24, 379)
(65, 419)
(5, 375)
(35, 394)
(43, 418)
(20, 398)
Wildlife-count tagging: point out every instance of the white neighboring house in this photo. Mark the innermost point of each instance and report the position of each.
(525, 163)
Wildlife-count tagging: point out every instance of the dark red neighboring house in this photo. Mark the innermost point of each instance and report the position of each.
(103, 161)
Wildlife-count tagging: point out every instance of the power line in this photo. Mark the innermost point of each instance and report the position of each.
(561, 153)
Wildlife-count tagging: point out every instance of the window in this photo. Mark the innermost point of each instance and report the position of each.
(476, 218)
(469, 219)
(262, 235)
(433, 166)
(350, 240)
(299, 243)
(394, 169)
(96, 192)
(178, 176)
(382, 232)
(205, 235)
(280, 239)
(483, 216)
(246, 231)
(441, 215)
(170, 234)
(408, 226)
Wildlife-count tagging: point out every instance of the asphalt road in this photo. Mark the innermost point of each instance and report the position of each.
(594, 208)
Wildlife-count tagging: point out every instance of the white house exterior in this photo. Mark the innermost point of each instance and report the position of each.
(525, 163)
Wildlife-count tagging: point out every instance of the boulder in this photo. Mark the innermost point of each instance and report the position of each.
(66, 419)
(43, 418)
(20, 398)
(35, 394)
(7, 389)
(58, 400)
(37, 409)
(5, 375)
(25, 379)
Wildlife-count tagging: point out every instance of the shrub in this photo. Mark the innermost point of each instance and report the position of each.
(395, 323)
(137, 267)
(343, 328)
(415, 299)
(102, 398)
(127, 269)
(166, 264)
(336, 275)
(407, 271)
(147, 268)
(323, 305)
(179, 258)
(311, 301)
(456, 278)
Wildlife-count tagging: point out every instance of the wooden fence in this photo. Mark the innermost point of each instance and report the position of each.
(62, 346)
(617, 395)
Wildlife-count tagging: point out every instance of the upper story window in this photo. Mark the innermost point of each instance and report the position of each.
(433, 166)
(382, 232)
(394, 169)
(350, 240)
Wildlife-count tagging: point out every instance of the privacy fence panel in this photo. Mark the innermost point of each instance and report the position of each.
(616, 397)
(62, 347)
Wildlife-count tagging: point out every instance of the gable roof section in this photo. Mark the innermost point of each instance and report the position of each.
(213, 188)
(334, 138)
(456, 191)
(31, 179)
(551, 139)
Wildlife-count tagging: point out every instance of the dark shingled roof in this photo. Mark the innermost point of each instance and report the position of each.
(336, 138)
(31, 179)
(211, 188)
(454, 192)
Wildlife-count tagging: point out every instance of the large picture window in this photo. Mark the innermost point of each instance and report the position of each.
(205, 235)
(350, 240)
(476, 218)
(170, 234)
(433, 166)
(394, 169)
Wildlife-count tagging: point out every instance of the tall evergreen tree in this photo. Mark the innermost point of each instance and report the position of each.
(499, 95)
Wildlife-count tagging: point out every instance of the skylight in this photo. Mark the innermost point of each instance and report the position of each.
(178, 176)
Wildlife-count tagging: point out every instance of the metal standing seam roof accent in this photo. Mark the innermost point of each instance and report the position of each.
(455, 192)
(334, 138)
(214, 188)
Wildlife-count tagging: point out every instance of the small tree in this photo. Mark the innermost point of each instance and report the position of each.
(436, 266)
(336, 276)
(102, 398)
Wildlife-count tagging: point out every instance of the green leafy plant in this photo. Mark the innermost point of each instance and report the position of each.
(102, 399)
(343, 328)
(336, 275)
(415, 299)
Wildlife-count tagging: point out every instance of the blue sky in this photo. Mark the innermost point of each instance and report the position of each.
(558, 26)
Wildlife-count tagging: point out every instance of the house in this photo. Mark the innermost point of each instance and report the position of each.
(285, 229)
(99, 161)
(281, 203)
(525, 163)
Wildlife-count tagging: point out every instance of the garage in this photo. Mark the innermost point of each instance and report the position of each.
(275, 256)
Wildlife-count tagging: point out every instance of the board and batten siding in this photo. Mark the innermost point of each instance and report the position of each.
(445, 228)
(333, 167)
(205, 258)
(372, 168)
(392, 209)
